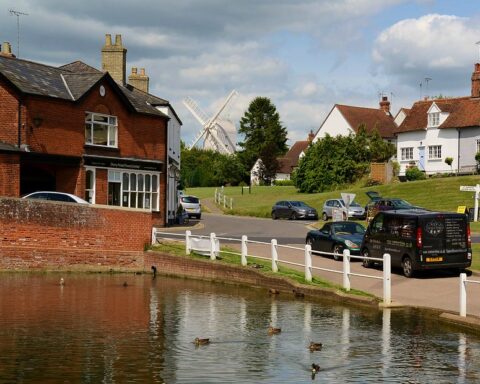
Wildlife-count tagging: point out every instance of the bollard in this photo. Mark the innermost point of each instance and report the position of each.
(244, 250)
(387, 280)
(463, 294)
(274, 256)
(346, 269)
(187, 242)
(213, 253)
(308, 263)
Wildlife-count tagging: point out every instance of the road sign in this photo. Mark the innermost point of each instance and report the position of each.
(468, 188)
(348, 198)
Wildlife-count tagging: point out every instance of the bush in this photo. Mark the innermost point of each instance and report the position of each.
(283, 183)
(413, 173)
(372, 183)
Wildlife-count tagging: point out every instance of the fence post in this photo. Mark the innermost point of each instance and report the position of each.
(215, 196)
(231, 203)
(387, 280)
(187, 242)
(346, 269)
(274, 256)
(244, 250)
(212, 246)
(224, 201)
(154, 235)
(308, 263)
(463, 294)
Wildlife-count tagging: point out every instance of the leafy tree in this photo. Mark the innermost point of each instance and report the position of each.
(264, 137)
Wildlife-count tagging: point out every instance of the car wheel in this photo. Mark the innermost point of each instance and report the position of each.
(309, 241)
(324, 216)
(337, 252)
(366, 262)
(274, 216)
(407, 267)
(293, 216)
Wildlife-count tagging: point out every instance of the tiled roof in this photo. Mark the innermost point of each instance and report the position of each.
(288, 162)
(463, 112)
(70, 82)
(371, 117)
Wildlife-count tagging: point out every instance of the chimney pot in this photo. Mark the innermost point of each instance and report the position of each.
(118, 40)
(134, 70)
(385, 104)
(476, 81)
(142, 71)
(311, 136)
(108, 39)
(6, 50)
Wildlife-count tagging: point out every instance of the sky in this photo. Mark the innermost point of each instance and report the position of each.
(305, 55)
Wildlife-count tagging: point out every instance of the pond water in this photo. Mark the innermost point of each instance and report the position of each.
(94, 329)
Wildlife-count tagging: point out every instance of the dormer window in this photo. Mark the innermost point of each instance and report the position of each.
(434, 119)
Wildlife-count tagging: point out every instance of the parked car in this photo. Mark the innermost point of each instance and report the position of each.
(355, 210)
(337, 236)
(55, 196)
(192, 206)
(418, 240)
(293, 210)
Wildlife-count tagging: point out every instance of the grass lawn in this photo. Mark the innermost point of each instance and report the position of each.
(475, 257)
(437, 194)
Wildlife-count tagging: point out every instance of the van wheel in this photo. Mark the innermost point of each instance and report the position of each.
(367, 263)
(274, 216)
(324, 216)
(407, 267)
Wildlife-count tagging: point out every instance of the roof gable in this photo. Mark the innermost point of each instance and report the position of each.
(372, 118)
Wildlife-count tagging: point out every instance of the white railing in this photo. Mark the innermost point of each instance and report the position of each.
(463, 293)
(221, 199)
(210, 245)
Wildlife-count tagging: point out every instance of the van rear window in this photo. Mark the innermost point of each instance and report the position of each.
(455, 232)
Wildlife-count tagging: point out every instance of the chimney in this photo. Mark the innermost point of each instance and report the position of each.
(311, 136)
(6, 50)
(114, 58)
(385, 105)
(139, 81)
(476, 81)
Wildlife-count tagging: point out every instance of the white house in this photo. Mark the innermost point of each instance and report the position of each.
(346, 119)
(439, 128)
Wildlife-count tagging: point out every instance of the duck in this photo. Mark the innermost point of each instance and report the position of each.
(62, 282)
(315, 368)
(315, 346)
(298, 294)
(198, 341)
(274, 331)
(273, 291)
(125, 284)
(154, 271)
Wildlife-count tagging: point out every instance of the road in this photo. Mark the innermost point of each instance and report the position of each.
(438, 289)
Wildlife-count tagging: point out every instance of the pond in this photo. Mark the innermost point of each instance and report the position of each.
(132, 328)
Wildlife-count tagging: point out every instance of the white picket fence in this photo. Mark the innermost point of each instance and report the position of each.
(221, 199)
(463, 293)
(210, 245)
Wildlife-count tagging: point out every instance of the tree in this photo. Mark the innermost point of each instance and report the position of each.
(264, 138)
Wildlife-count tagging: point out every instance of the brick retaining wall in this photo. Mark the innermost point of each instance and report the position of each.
(48, 235)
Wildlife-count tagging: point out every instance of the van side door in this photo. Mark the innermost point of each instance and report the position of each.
(374, 237)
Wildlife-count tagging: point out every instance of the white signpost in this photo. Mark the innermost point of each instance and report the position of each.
(476, 189)
(348, 199)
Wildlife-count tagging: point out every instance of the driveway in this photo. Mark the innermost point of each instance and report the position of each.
(439, 289)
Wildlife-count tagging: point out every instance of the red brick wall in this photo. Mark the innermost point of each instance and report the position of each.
(48, 235)
(9, 175)
(101, 186)
(8, 114)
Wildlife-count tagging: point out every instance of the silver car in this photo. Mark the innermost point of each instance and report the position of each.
(355, 210)
(192, 206)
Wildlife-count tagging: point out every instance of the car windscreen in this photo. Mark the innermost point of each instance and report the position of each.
(190, 199)
(348, 228)
(298, 204)
(354, 204)
(401, 204)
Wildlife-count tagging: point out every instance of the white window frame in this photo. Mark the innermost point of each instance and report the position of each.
(434, 152)
(93, 190)
(111, 125)
(434, 119)
(406, 153)
(132, 194)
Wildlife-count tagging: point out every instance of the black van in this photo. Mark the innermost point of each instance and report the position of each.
(419, 240)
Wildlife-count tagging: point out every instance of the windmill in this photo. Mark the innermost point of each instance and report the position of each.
(219, 134)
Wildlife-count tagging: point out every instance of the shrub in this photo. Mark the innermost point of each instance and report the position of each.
(372, 183)
(413, 173)
(395, 168)
(283, 183)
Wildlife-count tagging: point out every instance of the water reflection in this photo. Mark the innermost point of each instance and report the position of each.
(94, 329)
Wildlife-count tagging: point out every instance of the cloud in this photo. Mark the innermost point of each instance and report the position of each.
(440, 47)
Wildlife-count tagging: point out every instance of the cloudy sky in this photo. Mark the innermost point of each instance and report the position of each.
(305, 55)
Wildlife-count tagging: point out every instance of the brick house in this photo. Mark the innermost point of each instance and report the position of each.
(88, 132)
